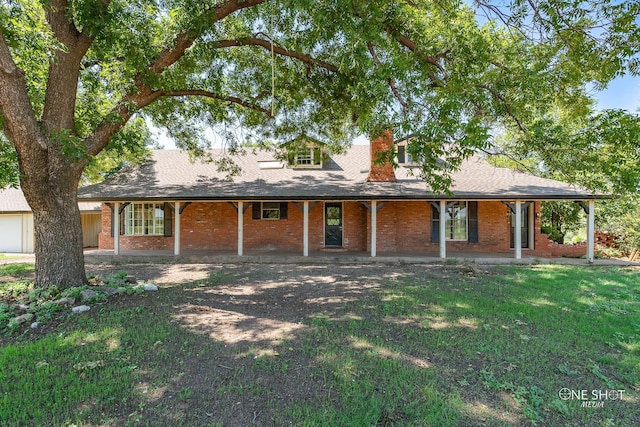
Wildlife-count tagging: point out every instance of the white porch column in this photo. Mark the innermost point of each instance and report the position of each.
(176, 231)
(116, 228)
(443, 229)
(591, 232)
(240, 227)
(305, 229)
(517, 241)
(374, 226)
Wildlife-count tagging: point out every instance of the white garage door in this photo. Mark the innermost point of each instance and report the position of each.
(10, 233)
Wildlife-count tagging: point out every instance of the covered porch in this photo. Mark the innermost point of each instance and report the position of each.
(191, 256)
(367, 235)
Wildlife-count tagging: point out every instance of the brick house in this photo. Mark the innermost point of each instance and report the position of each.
(310, 202)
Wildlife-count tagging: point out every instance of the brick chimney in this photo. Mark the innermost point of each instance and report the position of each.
(381, 172)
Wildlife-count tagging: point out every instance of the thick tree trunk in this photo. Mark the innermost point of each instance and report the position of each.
(57, 226)
(58, 245)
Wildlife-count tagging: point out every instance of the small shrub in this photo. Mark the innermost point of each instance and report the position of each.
(74, 292)
(47, 310)
(15, 289)
(99, 297)
(607, 252)
(13, 325)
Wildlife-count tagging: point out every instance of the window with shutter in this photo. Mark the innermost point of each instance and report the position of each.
(270, 210)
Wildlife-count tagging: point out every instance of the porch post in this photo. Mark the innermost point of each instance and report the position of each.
(116, 228)
(443, 229)
(305, 229)
(591, 232)
(517, 241)
(374, 226)
(176, 231)
(240, 227)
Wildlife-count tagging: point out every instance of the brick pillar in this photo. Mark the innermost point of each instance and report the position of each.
(381, 172)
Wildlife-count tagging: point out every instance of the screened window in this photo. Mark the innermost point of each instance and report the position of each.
(456, 221)
(144, 219)
(271, 211)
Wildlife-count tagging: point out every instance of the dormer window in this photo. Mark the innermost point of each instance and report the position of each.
(304, 152)
(309, 157)
(304, 158)
(404, 156)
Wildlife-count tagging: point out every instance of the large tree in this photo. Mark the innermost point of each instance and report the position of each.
(78, 77)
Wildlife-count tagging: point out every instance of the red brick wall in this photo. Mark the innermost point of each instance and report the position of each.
(402, 227)
(354, 229)
(381, 171)
(209, 225)
(280, 234)
(105, 241)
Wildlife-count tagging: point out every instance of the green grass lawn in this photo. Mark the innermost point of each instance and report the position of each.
(434, 345)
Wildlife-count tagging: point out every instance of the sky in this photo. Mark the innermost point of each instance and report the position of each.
(624, 92)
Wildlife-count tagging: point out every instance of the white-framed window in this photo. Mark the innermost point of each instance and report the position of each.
(304, 157)
(270, 210)
(403, 155)
(144, 219)
(456, 221)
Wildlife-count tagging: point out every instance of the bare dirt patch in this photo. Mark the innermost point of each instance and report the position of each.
(252, 335)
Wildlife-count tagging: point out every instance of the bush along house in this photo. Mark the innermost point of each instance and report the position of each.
(309, 201)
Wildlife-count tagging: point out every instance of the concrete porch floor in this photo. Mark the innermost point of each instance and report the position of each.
(326, 257)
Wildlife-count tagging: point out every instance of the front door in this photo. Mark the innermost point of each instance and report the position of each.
(333, 224)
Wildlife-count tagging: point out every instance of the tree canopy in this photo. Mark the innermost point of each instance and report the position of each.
(83, 77)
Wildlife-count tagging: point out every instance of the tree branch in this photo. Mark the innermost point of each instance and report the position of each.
(266, 44)
(19, 117)
(143, 95)
(413, 47)
(510, 157)
(229, 99)
(507, 107)
(62, 81)
(186, 38)
(390, 80)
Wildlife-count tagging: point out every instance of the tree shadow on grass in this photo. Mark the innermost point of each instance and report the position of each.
(331, 345)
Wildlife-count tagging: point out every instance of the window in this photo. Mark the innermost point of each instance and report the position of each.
(456, 221)
(306, 157)
(461, 221)
(404, 156)
(270, 210)
(144, 219)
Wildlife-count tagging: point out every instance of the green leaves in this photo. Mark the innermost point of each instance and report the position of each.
(9, 172)
(453, 76)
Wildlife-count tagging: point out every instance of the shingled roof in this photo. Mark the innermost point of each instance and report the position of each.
(12, 201)
(170, 175)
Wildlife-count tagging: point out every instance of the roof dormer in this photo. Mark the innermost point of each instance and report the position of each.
(404, 153)
(305, 153)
